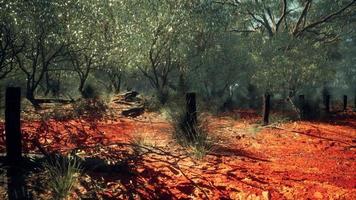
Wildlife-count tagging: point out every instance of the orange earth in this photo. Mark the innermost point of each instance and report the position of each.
(290, 160)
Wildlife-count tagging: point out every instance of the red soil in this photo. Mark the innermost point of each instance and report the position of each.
(295, 160)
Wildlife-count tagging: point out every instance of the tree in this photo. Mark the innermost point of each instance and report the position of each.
(39, 30)
(161, 32)
(299, 18)
(95, 32)
(8, 49)
(290, 39)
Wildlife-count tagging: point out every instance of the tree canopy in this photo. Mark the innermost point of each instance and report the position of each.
(278, 46)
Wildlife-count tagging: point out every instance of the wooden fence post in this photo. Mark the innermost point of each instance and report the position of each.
(191, 107)
(266, 108)
(345, 103)
(13, 125)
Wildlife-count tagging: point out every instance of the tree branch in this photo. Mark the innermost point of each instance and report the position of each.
(284, 14)
(326, 18)
(304, 13)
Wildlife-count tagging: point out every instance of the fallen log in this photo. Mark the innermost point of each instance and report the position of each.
(133, 112)
(41, 101)
(124, 102)
(130, 96)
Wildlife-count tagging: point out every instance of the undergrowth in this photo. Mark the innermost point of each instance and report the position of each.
(63, 173)
(195, 138)
(95, 108)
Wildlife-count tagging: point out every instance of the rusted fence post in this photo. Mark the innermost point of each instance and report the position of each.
(345, 103)
(191, 107)
(13, 125)
(266, 108)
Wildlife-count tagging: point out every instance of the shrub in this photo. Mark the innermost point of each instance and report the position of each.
(59, 114)
(89, 92)
(152, 104)
(195, 138)
(254, 129)
(63, 173)
(280, 118)
(95, 108)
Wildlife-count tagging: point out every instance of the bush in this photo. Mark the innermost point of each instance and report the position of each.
(59, 114)
(194, 137)
(94, 108)
(63, 173)
(90, 92)
(152, 104)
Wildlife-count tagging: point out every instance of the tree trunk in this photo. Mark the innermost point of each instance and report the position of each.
(327, 103)
(30, 95)
(81, 87)
(162, 96)
(48, 87)
(118, 84)
(302, 106)
(345, 103)
(266, 108)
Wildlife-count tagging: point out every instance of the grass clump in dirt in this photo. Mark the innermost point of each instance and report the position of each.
(194, 136)
(63, 173)
(255, 129)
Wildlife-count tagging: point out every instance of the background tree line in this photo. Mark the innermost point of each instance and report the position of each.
(224, 49)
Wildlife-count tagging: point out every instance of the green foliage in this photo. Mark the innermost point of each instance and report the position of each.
(288, 64)
(62, 175)
(279, 118)
(152, 104)
(254, 129)
(177, 45)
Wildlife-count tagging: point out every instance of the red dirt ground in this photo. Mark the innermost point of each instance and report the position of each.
(293, 160)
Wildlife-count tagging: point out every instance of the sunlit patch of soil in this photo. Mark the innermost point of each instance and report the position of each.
(293, 160)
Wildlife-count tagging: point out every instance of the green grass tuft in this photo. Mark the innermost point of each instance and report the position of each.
(63, 173)
(195, 138)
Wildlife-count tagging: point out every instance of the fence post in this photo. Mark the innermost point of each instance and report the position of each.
(345, 103)
(266, 108)
(13, 125)
(191, 107)
(327, 103)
